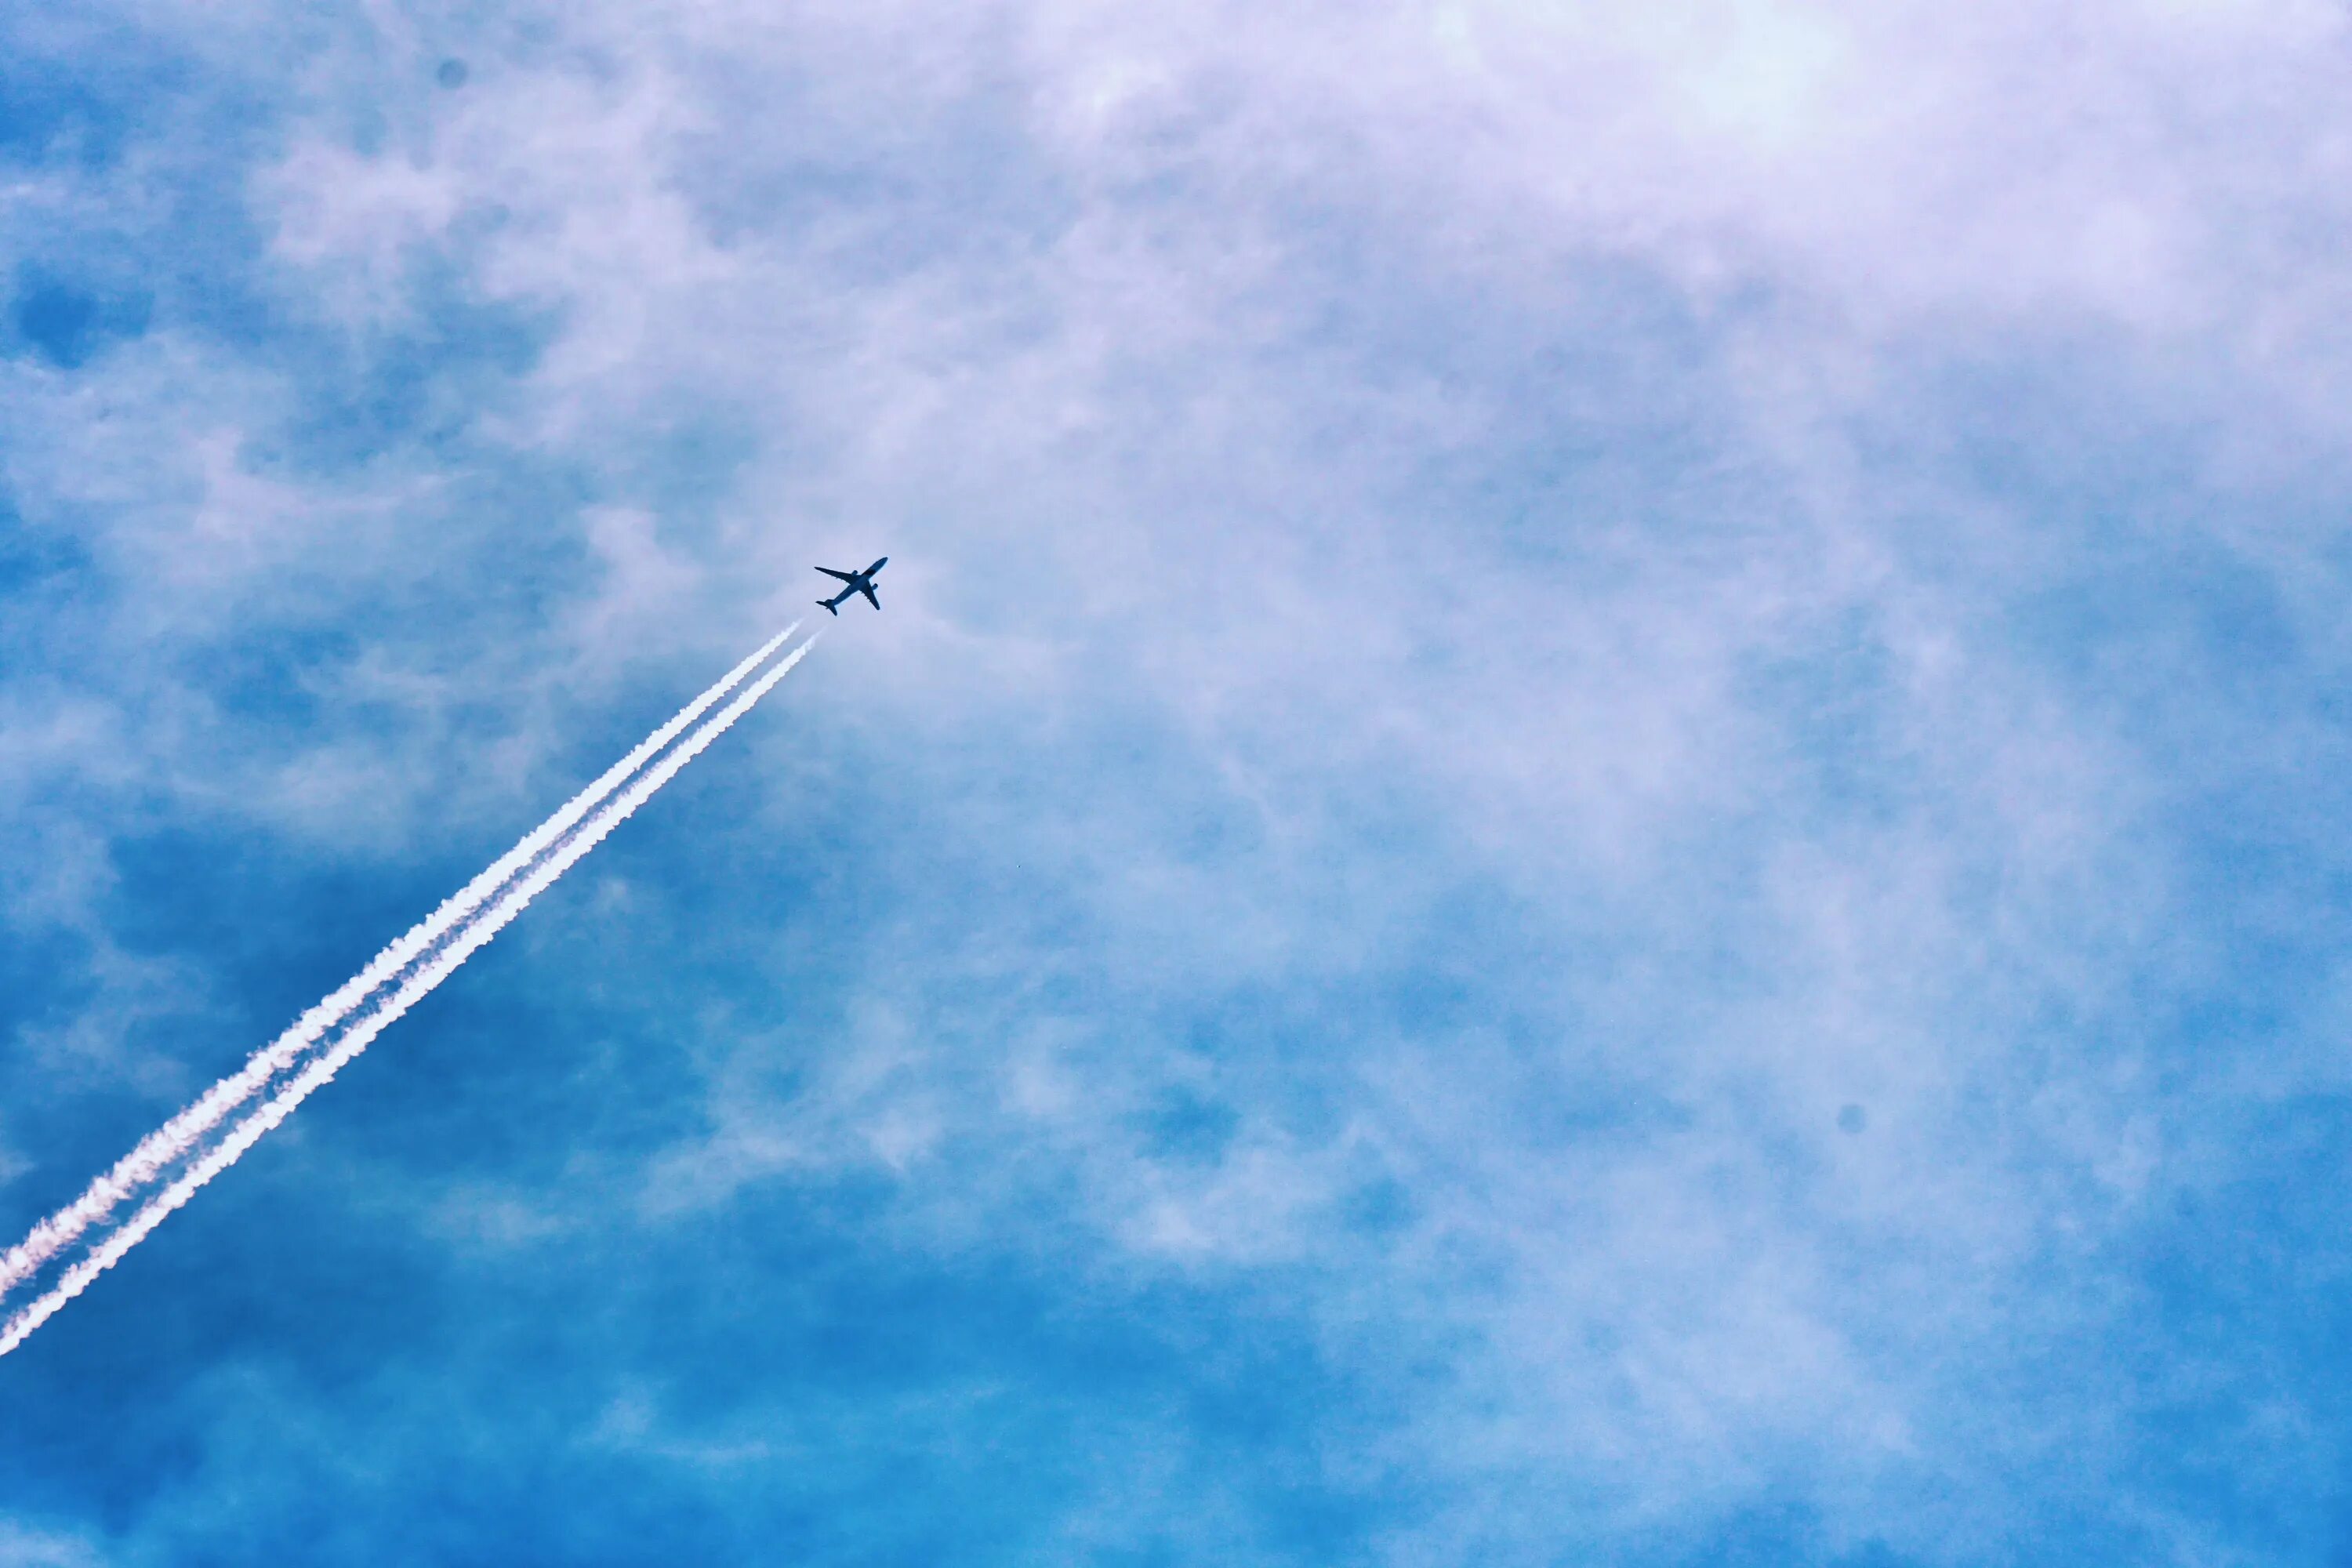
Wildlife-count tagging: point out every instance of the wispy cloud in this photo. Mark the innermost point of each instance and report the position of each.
(1506, 608)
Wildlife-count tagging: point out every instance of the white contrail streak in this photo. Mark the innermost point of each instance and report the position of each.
(493, 917)
(172, 1142)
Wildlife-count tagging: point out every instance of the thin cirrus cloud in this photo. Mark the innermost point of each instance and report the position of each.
(1507, 610)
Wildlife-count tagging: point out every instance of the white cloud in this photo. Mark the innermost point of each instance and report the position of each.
(1502, 444)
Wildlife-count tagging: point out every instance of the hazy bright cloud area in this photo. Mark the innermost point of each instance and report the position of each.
(1602, 814)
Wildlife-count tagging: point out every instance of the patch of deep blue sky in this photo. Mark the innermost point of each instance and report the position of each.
(357, 1365)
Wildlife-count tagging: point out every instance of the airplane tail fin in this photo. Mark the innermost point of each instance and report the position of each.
(829, 606)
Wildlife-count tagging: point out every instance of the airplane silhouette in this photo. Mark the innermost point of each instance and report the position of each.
(860, 582)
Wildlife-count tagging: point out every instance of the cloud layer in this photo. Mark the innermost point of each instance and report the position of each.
(1597, 820)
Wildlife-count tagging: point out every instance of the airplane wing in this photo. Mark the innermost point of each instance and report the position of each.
(868, 591)
(844, 576)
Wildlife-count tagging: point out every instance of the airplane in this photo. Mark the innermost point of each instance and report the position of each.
(860, 582)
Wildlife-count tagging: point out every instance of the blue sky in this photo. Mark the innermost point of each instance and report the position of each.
(1599, 819)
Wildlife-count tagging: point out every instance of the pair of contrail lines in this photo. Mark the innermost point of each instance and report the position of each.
(444, 940)
(169, 1142)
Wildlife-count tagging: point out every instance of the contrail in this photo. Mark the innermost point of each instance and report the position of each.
(169, 1142)
(475, 919)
